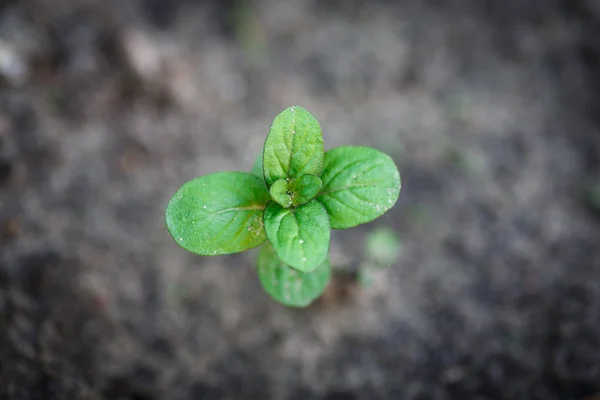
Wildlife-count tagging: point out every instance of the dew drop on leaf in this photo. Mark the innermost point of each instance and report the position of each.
(301, 241)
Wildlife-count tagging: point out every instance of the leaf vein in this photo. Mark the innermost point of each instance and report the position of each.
(341, 170)
(241, 208)
(281, 165)
(349, 187)
(293, 110)
(243, 225)
(357, 211)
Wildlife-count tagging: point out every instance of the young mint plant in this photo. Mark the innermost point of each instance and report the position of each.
(295, 194)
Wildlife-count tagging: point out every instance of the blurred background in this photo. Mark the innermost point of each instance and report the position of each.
(491, 110)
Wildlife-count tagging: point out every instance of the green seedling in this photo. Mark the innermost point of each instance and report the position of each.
(382, 248)
(294, 196)
(593, 196)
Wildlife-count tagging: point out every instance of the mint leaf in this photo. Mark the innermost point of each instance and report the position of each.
(299, 191)
(294, 146)
(359, 185)
(304, 188)
(279, 192)
(300, 236)
(287, 285)
(220, 213)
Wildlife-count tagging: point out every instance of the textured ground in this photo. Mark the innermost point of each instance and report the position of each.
(490, 109)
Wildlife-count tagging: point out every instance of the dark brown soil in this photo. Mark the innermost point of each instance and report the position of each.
(490, 108)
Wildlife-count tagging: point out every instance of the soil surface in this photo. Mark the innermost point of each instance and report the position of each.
(491, 110)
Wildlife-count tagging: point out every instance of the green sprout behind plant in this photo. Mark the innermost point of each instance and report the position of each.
(295, 195)
(593, 195)
(382, 248)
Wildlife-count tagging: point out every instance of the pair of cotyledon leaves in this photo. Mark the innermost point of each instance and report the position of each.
(293, 201)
